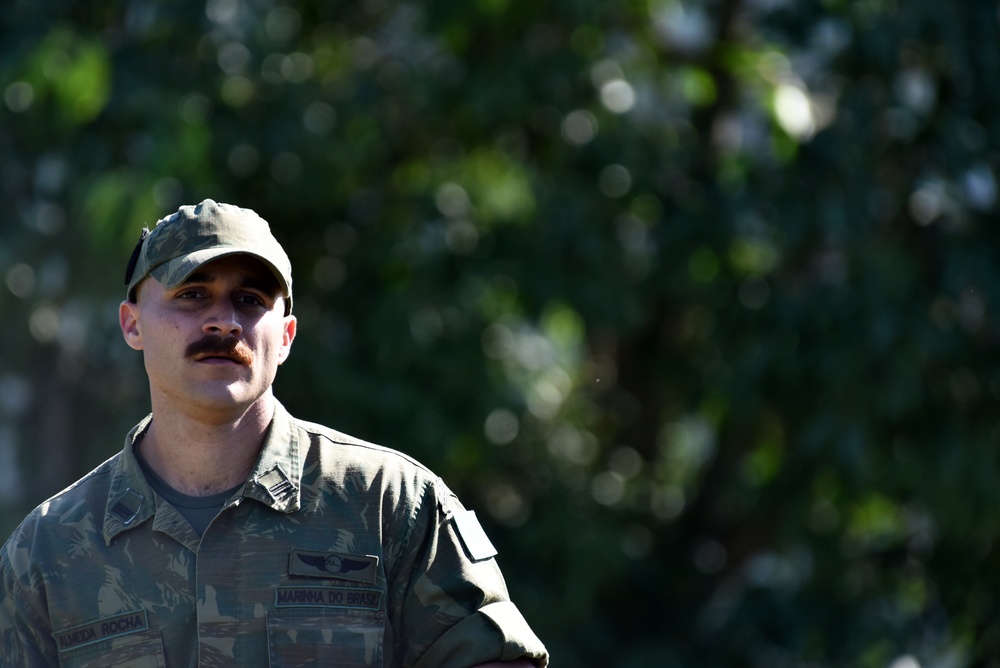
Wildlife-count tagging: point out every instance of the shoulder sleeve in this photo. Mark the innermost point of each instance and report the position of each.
(25, 632)
(453, 609)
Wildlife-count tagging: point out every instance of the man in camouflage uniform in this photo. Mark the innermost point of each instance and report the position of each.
(227, 532)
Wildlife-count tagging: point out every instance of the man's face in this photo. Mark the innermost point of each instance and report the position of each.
(213, 343)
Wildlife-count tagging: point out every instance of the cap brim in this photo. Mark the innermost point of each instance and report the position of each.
(174, 272)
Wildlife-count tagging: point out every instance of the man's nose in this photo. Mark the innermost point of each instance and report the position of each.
(223, 320)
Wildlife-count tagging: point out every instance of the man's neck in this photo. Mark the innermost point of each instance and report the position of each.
(198, 457)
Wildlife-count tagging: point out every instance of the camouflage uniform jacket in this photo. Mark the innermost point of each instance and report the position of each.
(335, 552)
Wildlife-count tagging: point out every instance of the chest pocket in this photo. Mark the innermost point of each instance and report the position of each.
(335, 638)
(134, 651)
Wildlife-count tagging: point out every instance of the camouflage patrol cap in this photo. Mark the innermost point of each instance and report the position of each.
(196, 234)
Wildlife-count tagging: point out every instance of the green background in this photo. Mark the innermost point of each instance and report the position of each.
(696, 304)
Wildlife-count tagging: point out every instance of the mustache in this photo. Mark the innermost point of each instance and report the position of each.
(218, 346)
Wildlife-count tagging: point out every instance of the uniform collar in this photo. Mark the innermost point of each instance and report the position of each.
(275, 480)
(130, 499)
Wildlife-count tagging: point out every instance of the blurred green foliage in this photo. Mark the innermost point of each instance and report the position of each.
(697, 303)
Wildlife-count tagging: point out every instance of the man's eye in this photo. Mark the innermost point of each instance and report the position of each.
(250, 300)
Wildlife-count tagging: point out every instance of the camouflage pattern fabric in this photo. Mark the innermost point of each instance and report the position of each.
(335, 552)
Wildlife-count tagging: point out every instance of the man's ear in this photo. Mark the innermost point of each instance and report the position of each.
(128, 319)
(287, 338)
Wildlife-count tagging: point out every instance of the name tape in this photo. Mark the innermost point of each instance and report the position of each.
(328, 597)
(103, 629)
